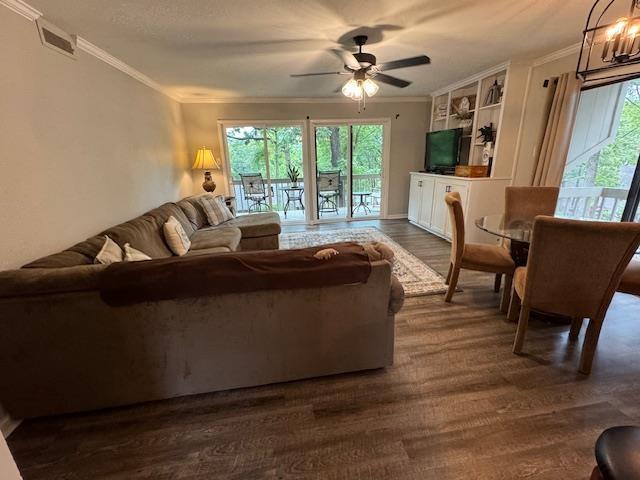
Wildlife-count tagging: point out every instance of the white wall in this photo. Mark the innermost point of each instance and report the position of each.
(82, 146)
(534, 121)
(409, 122)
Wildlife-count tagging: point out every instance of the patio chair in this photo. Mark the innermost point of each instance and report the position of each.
(255, 191)
(329, 191)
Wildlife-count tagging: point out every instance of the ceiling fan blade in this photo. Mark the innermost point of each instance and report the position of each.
(347, 58)
(405, 62)
(389, 80)
(295, 75)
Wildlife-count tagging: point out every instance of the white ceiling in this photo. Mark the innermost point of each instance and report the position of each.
(248, 48)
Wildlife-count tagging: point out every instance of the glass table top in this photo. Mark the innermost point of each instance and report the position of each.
(518, 230)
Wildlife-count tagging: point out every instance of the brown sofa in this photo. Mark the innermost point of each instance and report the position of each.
(68, 344)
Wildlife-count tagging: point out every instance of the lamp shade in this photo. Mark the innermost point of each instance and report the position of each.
(205, 160)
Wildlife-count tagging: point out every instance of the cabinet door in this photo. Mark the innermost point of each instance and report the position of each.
(426, 209)
(463, 191)
(415, 197)
(439, 213)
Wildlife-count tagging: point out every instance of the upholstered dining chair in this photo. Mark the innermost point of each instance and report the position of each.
(630, 282)
(473, 256)
(526, 203)
(574, 268)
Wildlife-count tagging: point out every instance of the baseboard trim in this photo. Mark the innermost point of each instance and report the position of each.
(396, 216)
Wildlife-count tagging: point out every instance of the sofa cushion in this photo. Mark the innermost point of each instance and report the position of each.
(194, 211)
(134, 255)
(176, 237)
(257, 224)
(109, 253)
(208, 251)
(228, 237)
(145, 233)
(66, 258)
(48, 281)
(216, 210)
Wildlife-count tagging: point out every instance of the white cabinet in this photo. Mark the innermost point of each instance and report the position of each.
(479, 197)
(420, 200)
(415, 198)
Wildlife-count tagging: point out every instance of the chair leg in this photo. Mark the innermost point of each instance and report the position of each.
(514, 307)
(576, 326)
(523, 323)
(448, 279)
(590, 344)
(497, 282)
(506, 294)
(453, 282)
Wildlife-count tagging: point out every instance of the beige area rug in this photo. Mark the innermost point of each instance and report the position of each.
(416, 277)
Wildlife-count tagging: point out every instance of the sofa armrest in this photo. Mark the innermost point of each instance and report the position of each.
(27, 282)
(396, 296)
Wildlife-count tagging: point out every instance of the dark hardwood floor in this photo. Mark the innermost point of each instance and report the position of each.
(457, 404)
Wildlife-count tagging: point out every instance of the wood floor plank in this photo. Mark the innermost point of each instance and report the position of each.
(455, 404)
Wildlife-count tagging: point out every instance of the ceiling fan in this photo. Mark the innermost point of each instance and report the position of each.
(363, 67)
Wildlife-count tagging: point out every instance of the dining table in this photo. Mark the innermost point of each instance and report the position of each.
(517, 231)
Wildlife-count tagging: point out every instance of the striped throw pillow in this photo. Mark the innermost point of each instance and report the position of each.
(216, 210)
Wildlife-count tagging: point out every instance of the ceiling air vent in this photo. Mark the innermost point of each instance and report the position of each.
(56, 38)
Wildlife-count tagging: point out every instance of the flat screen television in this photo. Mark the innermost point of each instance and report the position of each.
(442, 153)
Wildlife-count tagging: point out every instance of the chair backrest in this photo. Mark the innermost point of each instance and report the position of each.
(253, 183)
(526, 203)
(456, 219)
(329, 181)
(575, 266)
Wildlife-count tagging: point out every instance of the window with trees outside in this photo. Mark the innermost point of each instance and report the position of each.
(267, 169)
(266, 165)
(601, 177)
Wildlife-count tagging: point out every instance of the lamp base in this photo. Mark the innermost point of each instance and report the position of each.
(208, 185)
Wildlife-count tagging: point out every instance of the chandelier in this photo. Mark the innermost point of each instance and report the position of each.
(610, 48)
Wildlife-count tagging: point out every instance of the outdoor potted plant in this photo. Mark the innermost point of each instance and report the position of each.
(294, 174)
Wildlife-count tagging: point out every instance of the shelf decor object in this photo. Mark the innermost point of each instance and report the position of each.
(206, 161)
(611, 44)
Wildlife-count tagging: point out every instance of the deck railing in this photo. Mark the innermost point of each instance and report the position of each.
(361, 183)
(598, 203)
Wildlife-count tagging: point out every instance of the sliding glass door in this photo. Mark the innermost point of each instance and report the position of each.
(602, 178)
(266, 168)
(349, 166)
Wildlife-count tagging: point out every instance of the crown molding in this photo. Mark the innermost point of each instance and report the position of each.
(21, 8)
(474, 78)
(88, 47)
(563, 52)
(30, 13)
(299, 100)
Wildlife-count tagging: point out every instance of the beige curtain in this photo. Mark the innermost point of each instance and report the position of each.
(557, 134)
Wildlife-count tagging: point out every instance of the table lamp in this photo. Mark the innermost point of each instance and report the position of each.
(206, 161)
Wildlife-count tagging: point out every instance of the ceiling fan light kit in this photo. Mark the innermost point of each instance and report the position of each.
(363, 68)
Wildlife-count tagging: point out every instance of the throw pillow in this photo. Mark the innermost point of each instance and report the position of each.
(216, 210)
(133, 255)
(176, 237)
(109, 253)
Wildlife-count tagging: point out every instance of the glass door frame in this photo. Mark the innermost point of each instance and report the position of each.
(633, 198)
(312, 202)
(264, 124)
